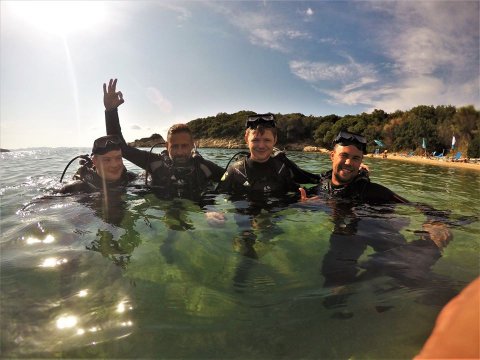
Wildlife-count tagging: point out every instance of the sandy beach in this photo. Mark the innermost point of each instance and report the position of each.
(413, 159)
(432, 161)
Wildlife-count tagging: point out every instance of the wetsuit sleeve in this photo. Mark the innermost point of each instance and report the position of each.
(226, 181)
(301, 176)
(141, 158)
(376, 193)
(77, 186)
(217, 171)
(112, 123)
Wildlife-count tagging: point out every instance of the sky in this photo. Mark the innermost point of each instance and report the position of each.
(182, 60)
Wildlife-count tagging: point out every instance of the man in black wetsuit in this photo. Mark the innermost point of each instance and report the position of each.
(264, 171)
(345, 180)
(103, 172)
(177, 172)
(345, 188)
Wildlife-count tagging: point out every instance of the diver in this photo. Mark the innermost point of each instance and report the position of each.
(179, 171)
(265, 170)
(346, 179)
(103, 171)
(268, 181)
(345, 189)
(104, 178)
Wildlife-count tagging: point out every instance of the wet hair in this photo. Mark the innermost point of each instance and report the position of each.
(348, 143)
(178, 128)
(261, 130)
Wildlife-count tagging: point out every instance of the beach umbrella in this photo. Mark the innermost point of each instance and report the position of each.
(453, 142)
(379, 143)
(424, 143)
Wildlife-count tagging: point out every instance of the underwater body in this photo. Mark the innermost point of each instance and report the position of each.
(146, 277)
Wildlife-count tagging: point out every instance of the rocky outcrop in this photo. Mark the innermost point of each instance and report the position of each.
(226, 144)
(220, 143)
(149, 142)
(4, 150)
(315, 149)
(240, 144)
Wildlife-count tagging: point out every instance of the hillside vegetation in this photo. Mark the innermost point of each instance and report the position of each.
(399, 131)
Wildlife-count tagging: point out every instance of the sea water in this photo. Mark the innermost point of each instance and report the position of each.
(157, 279)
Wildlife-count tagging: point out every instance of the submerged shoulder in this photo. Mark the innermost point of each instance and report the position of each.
(76, 186)
(379, 193)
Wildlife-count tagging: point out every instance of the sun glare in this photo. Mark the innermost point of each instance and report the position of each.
(60, 17)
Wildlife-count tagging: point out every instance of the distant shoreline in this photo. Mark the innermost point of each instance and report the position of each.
(231, 144)
(308, 148)
(432, 161)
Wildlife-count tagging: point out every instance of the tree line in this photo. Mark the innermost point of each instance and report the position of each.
(400, 131)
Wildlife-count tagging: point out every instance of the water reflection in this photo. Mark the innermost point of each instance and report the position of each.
(66, 322)
(159, 274)
(257, 220)
(53, 262)
(408, 261)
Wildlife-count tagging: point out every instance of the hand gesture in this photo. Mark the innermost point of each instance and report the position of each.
(112, 98)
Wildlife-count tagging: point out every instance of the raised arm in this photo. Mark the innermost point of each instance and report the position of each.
(112, 99)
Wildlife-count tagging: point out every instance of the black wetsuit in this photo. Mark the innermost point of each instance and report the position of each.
(356, 227)
(86, 180)
(359, 190)
(168, 180)
(277, 176)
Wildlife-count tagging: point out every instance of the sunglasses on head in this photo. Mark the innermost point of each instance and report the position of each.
(266, 120)
(105, 144)
(348, 137)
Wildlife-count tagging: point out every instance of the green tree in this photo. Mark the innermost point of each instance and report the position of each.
(474, 147)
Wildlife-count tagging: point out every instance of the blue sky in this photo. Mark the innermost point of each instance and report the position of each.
(181, 60)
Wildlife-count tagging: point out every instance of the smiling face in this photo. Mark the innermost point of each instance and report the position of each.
(260, 143)
(346, 161)
(180, 147)
(109, 165)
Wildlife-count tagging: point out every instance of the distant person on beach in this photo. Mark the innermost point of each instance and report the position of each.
(104, 171)
(179, 171)
(265, 170)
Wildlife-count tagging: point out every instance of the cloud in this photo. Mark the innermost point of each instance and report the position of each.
(427, 90)
(274, 39)
(432, 40)
(307, 14)
(431, 53)
(156, 97)
(183, 14)
(349, 73)
(262, 27)
(135, 127)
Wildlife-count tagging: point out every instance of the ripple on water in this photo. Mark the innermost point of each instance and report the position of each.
(187, 288)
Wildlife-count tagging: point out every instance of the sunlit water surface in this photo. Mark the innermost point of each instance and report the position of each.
(155, 279)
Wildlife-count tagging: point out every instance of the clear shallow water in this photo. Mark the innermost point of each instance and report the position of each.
(155, 279)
